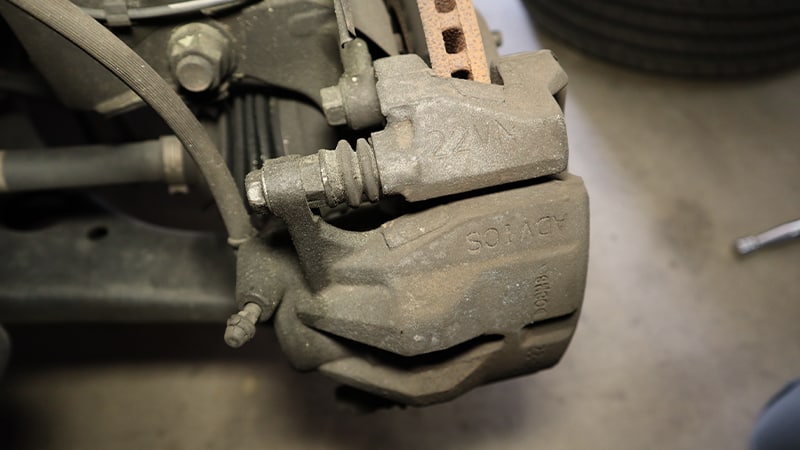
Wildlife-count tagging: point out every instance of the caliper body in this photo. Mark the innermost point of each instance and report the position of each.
(482, 281)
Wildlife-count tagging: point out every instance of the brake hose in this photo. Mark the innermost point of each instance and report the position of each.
(101, 44)
(161, 11)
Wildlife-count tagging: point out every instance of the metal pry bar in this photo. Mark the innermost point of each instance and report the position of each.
(780, 233)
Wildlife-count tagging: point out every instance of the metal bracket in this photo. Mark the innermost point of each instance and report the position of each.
(116, 13)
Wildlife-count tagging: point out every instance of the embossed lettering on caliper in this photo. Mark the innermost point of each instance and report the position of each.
(514, 233)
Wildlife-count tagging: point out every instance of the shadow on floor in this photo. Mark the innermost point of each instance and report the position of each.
(305, 402)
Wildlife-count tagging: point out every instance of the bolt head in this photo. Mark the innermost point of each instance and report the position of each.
(254, 189)
(196, 74)
(333, 105)
(200, 56)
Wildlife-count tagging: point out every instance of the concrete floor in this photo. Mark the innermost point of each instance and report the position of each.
(679, 346)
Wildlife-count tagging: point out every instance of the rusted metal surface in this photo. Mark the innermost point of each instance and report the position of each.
(454, 39)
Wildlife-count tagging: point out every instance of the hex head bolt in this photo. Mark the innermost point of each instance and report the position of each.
(199, 56)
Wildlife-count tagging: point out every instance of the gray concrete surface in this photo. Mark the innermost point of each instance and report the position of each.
(679, 346)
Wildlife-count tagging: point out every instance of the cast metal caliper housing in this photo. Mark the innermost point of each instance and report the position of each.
(483, 281)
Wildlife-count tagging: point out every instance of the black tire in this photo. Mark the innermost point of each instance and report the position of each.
(684, 37)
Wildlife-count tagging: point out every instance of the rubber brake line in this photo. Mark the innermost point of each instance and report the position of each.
(97, 41)
(161, 11)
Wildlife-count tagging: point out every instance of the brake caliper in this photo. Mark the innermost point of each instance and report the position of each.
(483, 281)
